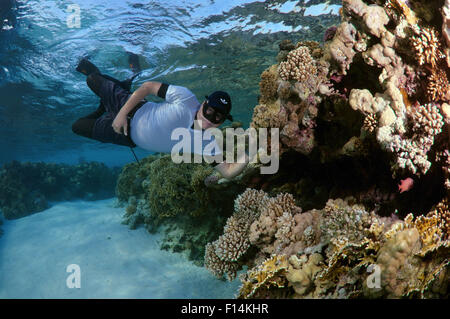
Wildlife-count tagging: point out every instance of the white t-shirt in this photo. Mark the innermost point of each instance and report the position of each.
(152, 124)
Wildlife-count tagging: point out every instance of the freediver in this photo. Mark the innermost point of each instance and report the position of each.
(125, 118)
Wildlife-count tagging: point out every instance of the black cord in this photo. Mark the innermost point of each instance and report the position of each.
(135, 156)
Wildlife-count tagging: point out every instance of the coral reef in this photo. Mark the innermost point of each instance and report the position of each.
(221, 256)
(174, 199)
(388, 64)
(331, 252)
(359, 207)
(26, 188)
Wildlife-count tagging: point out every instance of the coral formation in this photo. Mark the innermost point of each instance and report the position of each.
(299, 65)
(174, 199)
(330, 252)
(427, 47)
(222, 255)
(26, 188)
(359, 208)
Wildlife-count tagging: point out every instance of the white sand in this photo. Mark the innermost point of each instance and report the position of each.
(115, 262)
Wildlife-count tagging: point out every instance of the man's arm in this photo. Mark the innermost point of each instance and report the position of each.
(155, 88)
(145, 89)
(231, 170)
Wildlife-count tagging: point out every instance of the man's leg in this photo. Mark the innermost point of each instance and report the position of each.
(113, 95)
(85, 125)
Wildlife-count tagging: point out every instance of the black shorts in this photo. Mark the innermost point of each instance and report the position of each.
(98, 125)
(113, 98)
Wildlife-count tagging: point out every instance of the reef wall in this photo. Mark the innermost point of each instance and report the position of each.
(359, 207)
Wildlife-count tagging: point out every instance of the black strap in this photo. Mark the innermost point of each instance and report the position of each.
(135, 157)
(163, 90)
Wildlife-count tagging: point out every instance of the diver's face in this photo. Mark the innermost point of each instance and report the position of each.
(205, 122)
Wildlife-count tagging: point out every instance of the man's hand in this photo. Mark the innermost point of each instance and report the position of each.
(120, 122)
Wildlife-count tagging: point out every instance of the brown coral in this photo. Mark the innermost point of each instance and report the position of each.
(332, 250)
(269, 115)
(221, 256)
(218, 266)
(404, 9)
(268, 85)
(370, 123)
(299, 65)
(270, 274)
(438, 87)
(442, 212)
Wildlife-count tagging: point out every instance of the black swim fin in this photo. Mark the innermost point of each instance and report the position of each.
(133, 62)
(86, 67)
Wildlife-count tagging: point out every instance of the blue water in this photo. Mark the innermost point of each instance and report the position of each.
(205, 45)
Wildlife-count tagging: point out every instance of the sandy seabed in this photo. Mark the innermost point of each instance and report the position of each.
(114, 261)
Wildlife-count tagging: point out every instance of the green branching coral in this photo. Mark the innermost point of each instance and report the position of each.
(130, 179)
(169, 191)
(173, 199)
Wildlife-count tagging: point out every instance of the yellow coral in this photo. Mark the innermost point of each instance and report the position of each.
(268, 85)
(429, 230)
(442, 213)
(404, 271)
(269, 115)
(269, 274)
(302, 279)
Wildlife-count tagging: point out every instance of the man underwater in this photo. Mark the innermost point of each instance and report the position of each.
(125, 118)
